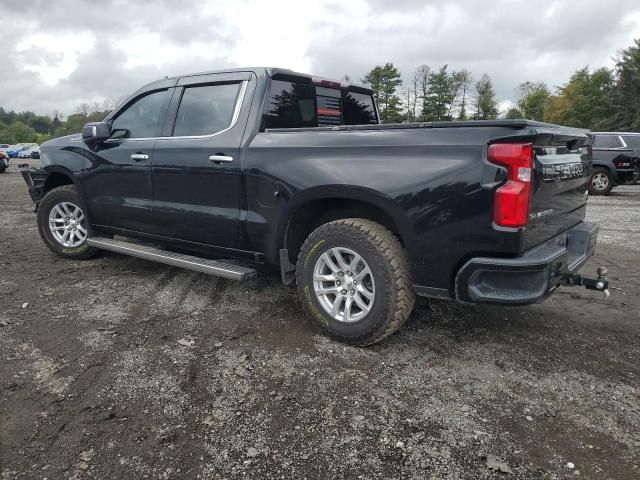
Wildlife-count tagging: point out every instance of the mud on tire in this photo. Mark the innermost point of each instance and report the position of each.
(386, 259)
(67, 193)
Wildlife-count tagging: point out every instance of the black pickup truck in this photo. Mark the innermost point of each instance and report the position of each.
(221, 171)
(616, 161)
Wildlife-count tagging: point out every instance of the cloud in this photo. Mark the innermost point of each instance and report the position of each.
(513, 41)
(63, 53)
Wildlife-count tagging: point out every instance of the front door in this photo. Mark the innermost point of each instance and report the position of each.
(117, 184)
(196, 166)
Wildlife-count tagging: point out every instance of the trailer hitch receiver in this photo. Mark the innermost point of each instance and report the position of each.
(601, 283)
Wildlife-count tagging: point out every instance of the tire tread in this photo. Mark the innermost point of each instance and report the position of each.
(88, 252)
(390, 248)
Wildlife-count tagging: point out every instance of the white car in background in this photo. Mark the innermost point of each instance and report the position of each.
(26, 153)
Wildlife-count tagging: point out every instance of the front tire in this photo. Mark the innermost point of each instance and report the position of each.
(600, 182)
(62, 224)
(353, 280)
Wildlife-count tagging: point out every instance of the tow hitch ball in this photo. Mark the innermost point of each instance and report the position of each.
(601, 283)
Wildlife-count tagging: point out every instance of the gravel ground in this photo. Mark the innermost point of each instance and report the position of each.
(120, 368)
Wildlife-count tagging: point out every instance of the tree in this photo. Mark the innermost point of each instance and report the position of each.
(439, 97)
(84, 109)
(627, 91)
(513, 113)
(384, 81)
(464, 80)
(533, 99)
(587, 100)
(41, 124)
(56, 122)
(419, 86)
(20, 132)
(486, 107)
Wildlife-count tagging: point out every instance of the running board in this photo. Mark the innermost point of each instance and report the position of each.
(146, 252)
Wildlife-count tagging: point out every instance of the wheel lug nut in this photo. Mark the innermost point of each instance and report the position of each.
(343, 292)
(338, 283)
(352, 292)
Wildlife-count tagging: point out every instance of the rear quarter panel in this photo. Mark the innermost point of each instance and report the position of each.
(434, 182)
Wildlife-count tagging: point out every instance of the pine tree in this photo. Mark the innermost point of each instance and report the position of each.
(384, 81)
(439, 96)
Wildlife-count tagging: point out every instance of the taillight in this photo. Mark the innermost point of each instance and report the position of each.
(511, 208)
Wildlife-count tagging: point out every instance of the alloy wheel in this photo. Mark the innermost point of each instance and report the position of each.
(343, 284)
(600, 181)
(67, 225)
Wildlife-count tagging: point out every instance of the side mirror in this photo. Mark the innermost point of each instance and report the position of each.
(96, 132)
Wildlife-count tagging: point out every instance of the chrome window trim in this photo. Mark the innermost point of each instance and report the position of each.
(234, 120)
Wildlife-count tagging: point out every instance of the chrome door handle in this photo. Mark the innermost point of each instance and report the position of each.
(138, 157)
(220, 159)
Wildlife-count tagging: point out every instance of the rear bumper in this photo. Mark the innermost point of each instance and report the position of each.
(531, 277)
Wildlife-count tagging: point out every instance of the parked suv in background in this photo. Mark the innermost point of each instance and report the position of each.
(615, 161)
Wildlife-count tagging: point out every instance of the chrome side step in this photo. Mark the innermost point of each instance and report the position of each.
(146, 252)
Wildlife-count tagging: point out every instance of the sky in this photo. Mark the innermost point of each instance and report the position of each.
(57, 54)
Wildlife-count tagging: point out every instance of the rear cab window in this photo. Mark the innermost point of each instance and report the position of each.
(299, 103)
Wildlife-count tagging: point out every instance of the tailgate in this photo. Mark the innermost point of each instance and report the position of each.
(562, 166)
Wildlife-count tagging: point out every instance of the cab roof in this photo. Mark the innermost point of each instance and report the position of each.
(276, 72)
(616, 133)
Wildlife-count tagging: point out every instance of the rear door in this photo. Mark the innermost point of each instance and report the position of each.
(196, 170)
(562, 166)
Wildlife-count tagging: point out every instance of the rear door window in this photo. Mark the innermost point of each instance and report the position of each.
(606, 141)
(632, 140)
(206, 109)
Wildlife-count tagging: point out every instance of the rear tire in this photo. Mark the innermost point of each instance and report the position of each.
(361, 267)
(63, 199)
(600, 182)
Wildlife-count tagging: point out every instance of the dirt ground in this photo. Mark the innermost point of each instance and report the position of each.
(98, 378)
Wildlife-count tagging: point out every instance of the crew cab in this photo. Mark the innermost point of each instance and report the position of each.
(616, 161)
(222, 171)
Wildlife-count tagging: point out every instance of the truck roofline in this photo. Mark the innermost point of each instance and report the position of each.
(268, 72)
(616, 133)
